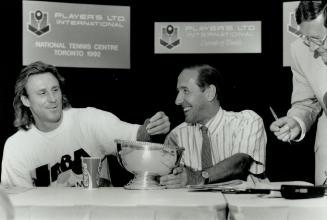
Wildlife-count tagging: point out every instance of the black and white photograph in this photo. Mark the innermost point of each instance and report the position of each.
(125, 109)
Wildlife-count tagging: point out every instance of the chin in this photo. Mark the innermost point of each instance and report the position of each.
(189, 120)
(56, 117)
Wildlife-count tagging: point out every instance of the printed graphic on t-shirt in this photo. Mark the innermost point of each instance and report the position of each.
(67, 172)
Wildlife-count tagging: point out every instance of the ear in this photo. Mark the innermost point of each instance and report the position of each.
(25, 101)
(210, 92)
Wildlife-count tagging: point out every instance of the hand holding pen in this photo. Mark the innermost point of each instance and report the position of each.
(284, 128)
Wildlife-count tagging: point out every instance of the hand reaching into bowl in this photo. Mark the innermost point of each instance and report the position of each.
(158, 124)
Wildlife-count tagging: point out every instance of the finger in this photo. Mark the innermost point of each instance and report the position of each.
(162, 128)
(287, 137)
(168, 179)
(157, 126)
(172, 181)
(163, 179)
(164, 131)
(283, 137)
(157, 116)
(281, 122)
(175, 181)
(273, 127)
(157, 121)
(177, 170)
(283, 130)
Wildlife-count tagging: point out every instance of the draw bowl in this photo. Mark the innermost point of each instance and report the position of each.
(147, 161)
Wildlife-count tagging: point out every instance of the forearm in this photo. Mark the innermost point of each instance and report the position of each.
(234, 167)
(304, 102)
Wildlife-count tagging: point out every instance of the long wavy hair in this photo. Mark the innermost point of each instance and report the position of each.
(23, 115)
(310, 10)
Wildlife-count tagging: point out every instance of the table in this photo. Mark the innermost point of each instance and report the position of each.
(117, 203)
(254, 207)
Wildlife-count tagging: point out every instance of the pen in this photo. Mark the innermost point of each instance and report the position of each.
(247, 191)
(273, 113)
(276, 118)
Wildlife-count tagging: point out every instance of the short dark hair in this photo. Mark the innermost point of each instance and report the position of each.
(208, 75)
(310, 10)
(23, 115)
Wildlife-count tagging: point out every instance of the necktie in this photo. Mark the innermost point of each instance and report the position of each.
(206, 157)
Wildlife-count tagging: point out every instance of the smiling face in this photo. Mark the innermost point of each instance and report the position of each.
(316, 33)
(44, 98)
(191, 98)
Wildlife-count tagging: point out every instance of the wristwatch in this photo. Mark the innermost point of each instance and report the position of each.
(205, 176)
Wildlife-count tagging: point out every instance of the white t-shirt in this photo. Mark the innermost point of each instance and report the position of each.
(31, 157)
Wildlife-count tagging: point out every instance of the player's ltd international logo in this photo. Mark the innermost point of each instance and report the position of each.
(169, 37)
(38, 23)
(292, 26)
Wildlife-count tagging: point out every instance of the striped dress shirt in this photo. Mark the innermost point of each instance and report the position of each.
(230, 133)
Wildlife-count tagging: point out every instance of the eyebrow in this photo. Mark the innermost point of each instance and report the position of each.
(182, 87)
(315, 37)
(45, 89)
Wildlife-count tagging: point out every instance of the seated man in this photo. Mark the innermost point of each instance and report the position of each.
(52, 137)
(219, 145)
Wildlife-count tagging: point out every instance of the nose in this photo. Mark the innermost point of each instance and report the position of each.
(179, 98)
(52, 97)
(313, 47)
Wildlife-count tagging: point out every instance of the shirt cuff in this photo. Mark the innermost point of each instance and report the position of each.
(302, 126)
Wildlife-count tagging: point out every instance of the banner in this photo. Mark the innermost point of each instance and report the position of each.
(76, 35)
(208, 37)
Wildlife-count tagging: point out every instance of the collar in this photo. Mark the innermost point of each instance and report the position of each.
(215, 121)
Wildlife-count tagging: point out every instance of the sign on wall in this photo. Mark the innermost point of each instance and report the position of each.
(208, 37)
(76, 35)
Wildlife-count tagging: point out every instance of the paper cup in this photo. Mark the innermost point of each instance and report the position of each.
(91, 167)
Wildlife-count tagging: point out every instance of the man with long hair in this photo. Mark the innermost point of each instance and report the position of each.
(52, 136)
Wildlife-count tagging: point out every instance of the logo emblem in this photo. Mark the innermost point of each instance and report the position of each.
(292, 26)
(39, 23)
(169, 37)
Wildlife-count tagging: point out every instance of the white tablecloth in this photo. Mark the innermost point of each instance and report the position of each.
(117, 203)
(254, 207)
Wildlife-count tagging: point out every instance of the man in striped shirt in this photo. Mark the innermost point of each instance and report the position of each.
(236, 141)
